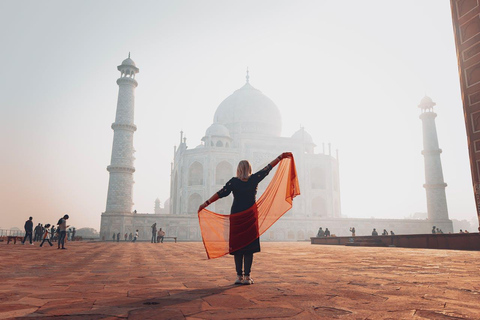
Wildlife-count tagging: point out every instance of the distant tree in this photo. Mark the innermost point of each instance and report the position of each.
(87, 233)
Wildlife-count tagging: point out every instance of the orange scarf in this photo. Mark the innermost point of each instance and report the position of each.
(223, 234)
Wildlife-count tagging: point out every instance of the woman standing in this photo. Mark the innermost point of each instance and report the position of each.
(244, 189)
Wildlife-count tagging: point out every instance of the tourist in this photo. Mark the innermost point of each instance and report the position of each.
(45, 236)
(73, 233)
(118, 237)
(466, 231)
(130, 237)
(62, 234)
(161, 235)
(52, 233)
(327, 232)
(69, 232)
(434, 230)
(154, 233)
(38, 233)
(126, 236)
(385, 232)
(244, 188)
(320, 233)
(28, 230)
(136, 236)
(374, 232)
(392, 233)
(114, 236)
(352, 230)
(461, 231)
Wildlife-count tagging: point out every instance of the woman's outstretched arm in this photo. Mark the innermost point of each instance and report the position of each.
(280, 157)
(212, 199)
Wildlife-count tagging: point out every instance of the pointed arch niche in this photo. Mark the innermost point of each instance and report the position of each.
(223, 173)
(195, 174)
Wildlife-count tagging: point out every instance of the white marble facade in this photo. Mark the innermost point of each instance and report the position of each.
(246, 125)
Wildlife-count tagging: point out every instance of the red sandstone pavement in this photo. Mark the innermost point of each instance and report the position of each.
(292, 281)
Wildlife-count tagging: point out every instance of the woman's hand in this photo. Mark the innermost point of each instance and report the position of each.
(286, 155)
(202, 206)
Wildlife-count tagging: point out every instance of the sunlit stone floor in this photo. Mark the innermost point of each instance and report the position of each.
(292, 281)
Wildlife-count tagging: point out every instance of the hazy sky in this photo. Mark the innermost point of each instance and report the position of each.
(351, 75)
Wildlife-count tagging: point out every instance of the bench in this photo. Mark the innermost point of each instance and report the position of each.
(14, 238)
(175, 238)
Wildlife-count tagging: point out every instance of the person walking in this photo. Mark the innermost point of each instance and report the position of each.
(46, 236)
(28, 230)
(244, 189)
(135, 237)
(154, 233)
(62, 233)
(126, 236)
(73, 233)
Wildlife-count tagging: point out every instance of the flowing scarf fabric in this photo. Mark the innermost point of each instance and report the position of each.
(224, 234)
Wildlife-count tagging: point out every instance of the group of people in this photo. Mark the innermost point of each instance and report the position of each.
(384, 233)
(48, 233)
(127, 236)
(436, 230)
(323, 233)
(326, 232)
(157, 235)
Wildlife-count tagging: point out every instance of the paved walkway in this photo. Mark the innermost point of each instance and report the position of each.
(292, 281)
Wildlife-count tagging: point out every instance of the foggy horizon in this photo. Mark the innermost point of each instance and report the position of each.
(351, 77)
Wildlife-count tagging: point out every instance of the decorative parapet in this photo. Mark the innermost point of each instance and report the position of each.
(435, 186)
(124, 126)
(123, 169)
(428, 152)
(127, 80)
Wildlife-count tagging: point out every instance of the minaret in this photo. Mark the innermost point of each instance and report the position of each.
(121, 169)
(434, 183)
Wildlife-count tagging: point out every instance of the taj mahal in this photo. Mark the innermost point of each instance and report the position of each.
(234, 135)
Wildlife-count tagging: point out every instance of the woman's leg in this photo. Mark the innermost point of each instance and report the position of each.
(248, 263)
(238, 263)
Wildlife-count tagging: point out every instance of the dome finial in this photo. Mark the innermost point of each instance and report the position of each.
(128, 54)
(247, 77)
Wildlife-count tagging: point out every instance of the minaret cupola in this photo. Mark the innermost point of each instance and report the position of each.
(128, 68)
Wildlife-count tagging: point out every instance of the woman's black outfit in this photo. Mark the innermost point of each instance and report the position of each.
(244, 197)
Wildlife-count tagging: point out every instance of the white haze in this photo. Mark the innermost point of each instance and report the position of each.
(352, 75)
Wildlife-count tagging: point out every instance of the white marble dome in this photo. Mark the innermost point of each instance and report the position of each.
(303, 135)
(426, 103)
(128, 62)
(217, 130)
(248, 110)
